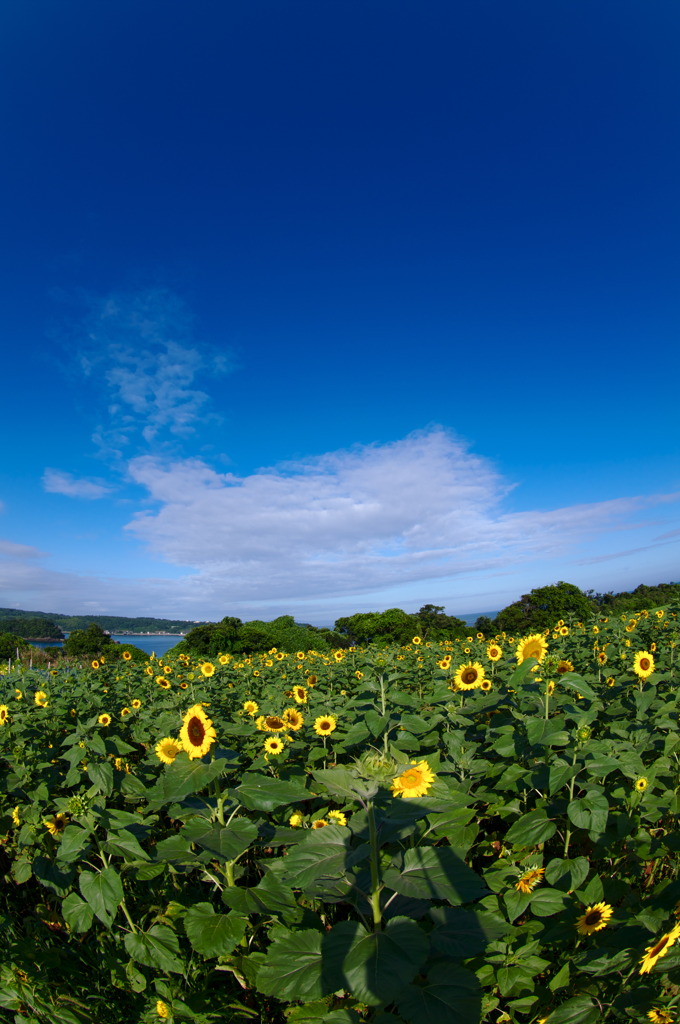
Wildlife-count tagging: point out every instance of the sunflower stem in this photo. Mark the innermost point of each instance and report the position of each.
(376, 885)
(123, 907)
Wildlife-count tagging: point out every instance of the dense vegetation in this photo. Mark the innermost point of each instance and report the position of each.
(437, 832)
(110, 623)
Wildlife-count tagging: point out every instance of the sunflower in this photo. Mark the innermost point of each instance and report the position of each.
(469, 677)
(564, 630)
(167, 749)
(136, 703)
(4, 712)
(18, 695)
(416, 640)
(149, 670)
(124, 712)
(324, 725)
(564, 665)
(164, 683)
(208, 669)
(659, 949)
(104, 718)
(167, 669)
(529, 880)
(300, 693)
(415, 781)
(16, 820)
(485, 685)
(274, 745)
(494, 652)
(337, 818)
(295, 820)
(273, 723)
(162, 1009)
(338, 655)
(641, 784)
(95, 664)
(127, 656)
(602, 658)
(658, 1016)
(40, 698)
(595, 918)
(56, 825)
(319, 823)
(251, 707)
(643, 664)
(533, 646)
(293, 719)
(197, 734)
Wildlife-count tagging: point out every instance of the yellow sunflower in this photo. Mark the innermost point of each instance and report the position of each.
(324, 725)
(274, 745)
(494, 652)
(641, 784)
(469, 677)
(4, 712)
(95, 664)
(300, 694)
(319, 823)
(337, 818)
(293, 719)
(533, 646)
(416, 640)
(643, 664)
(136, 703)
(602, 658)
(127, 656)
(529, 880)
(415, 781)
(295, 820)
(564, 665)
(595, 918)
(124, 712)
(658, 1016)
(16, 820)
(149, 670)
(167, 749)
(104, 718)
(56, 825)
(658, 949)
(197, 734)
(40, 698)
(273, 723)
(251, 707)
(164, 683)
(162, 1009)
(208, 669)
(18, 695)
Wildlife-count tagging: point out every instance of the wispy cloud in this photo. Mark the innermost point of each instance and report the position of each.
(56, 481)
(141, 345)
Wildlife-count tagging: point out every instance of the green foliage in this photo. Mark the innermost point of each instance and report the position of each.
(543, 607)
(10, 643)
(35, 627)
(87, 643)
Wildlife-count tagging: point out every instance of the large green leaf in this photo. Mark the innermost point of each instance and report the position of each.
(101, 773)
(323, 854)
(213, 934)
(547, 732)
(532, 829)
(293, 967)
(435, 872)
(77, 913)
(123, 844)
(182, 777)
(464, 933)
(73, 841)
(103, 890)
(271, 896)
(590, 812)
(576, 682)
(224, 842)
(379, 964)
(579, 1010)
(451, 995)
(262, 793)
(159, 948)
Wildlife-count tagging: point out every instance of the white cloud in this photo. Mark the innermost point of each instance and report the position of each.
(55, 481)
(354, 522)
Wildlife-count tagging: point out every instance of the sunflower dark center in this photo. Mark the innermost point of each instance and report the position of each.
(470, 676)
(594, 917)
(661, 944)
(196, 731)
(644, 664)
(274, 722)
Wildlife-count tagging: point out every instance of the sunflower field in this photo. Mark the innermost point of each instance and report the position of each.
(483, 829)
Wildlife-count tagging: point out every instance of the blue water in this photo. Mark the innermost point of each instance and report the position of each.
(155, 643)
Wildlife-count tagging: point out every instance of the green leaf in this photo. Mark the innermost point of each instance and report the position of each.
(579, 1010)
(464, 933)
(560, 773)
(77, 913)
(73, 842)
(547, 732)
(293, 966)
(516, 903)
(103, 890)
(573, 681)
(567, 874)
(546, 902)
(123, 844)
(213, 934)
(101, 773)
(451, 995)
(271, 896)
(379, 964)
(159, 948)
(224, 842)
(262, 793)
(183, 777)
(532, 829)
(589, 812)
(435, 872)
(322, 854)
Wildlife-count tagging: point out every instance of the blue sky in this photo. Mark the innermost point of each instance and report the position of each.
(316, 307)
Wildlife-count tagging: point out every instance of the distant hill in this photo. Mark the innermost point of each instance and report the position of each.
(17, 617)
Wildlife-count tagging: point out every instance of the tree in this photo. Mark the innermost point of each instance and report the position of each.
(10, 643)
(215, 638)
(87, 643)
(434, 625)
(542, 608)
